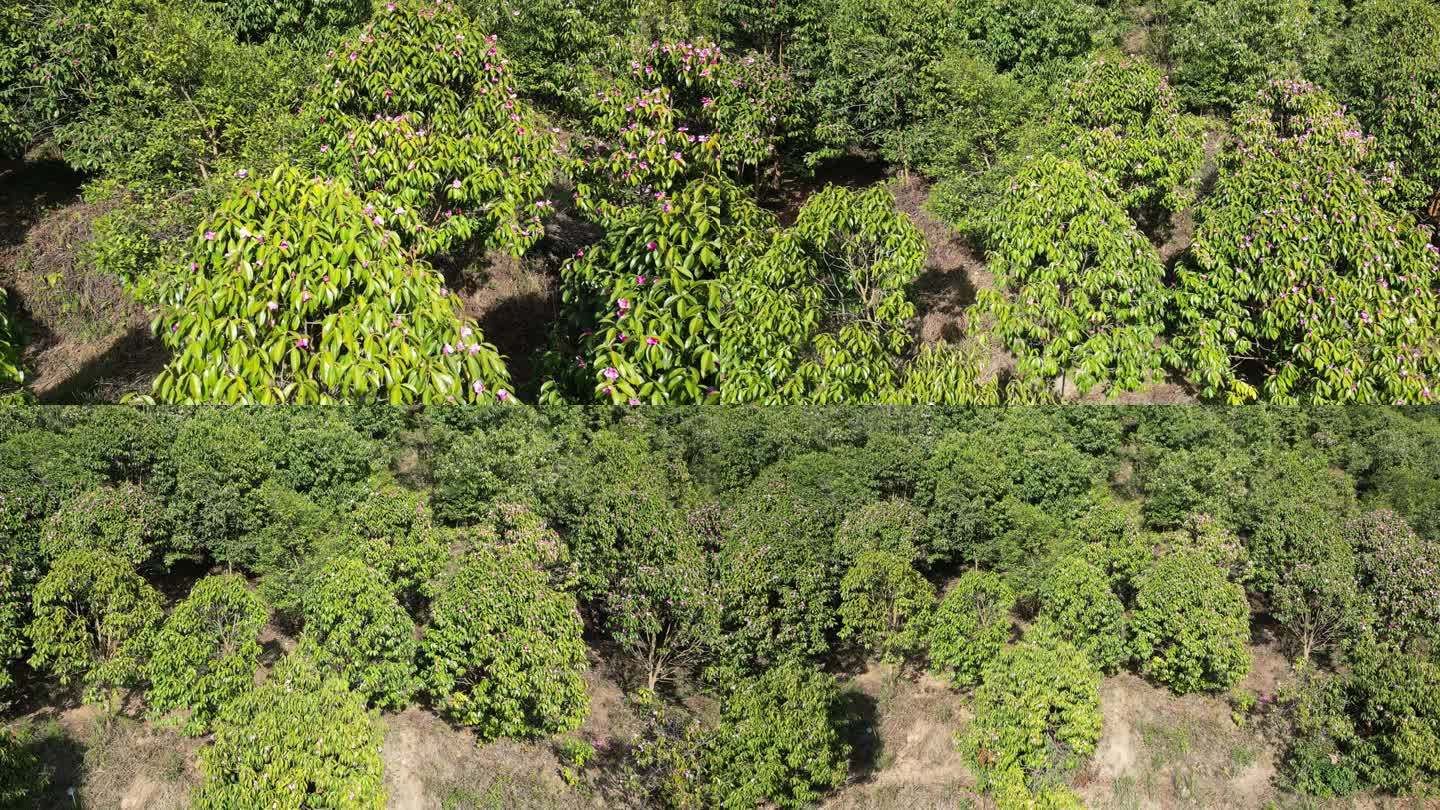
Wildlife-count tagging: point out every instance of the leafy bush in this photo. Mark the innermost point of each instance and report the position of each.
(357, 628)
(1384, 68)
(206, 654)
(1224, 51)
(1023, 35)
(1077, 598)
(1120, 117)
(1190, 626)
(820, 316)
(14, 610)
(21, 775)
(777, 579)
(509, 459)
(300, 736)
(219, 463)
(10, 370)
(298, 285)
(259, 20)
(1297, 266)
(1318, 600)
(395, 534)
(970, 627)
(778, 741)
(1037, 712)
(122, 520)
(885, 605)
(1078, 289)
(503, 651)
(95, 621)
(441, 145)
(645, 304)
(661, 608)
(1396, 568)
(893, 526)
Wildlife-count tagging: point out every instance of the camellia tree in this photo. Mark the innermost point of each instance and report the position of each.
(646, 303)
(1397, 572)
(503, 652)
(970, 627)
(1386, 68)
(885, 605)
(1079, 291)
(298, 293)
(14, 609)
(259, 20)
(122, 520)
(95, 621)
(661, 608)
(10, 371)
(21, 775)
(1190, 626)
(392, 530)
(1037, 711)
(1120, 117)
(425, 123)
(778, 742)
(301, 739)
(820, 316)
(1077, 598)
(206, 654)
(1302, 288)
(357, 628)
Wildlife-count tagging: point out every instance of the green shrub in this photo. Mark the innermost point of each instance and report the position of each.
(95, 622)
(206, 653)
(1385, 68)
(970, 628)
(778, 741)
(441, 146)
(1297, 266)
(301, 738)
(503, 651)
(220, 464)
(123, 520)
(22, 776)
(1190, 626)
(1079, 291)
(1037, 712)
(644, 306)
(1224, 51)
(885, 605)
(299, 285)
(1396, 574)
(820, 317)
(1024, 35)
(357, 628)
(893, 526)
(259, 20)
(10, 370)
(392, 530)
(1077, 598)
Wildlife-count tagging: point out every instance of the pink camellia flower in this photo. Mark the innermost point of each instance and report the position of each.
(623, 304)
(448, 349)
(455, 184)
(502, 394)
(305, 296)
(652, 341)
(354, 56)
(580, 254)
(634, 401)
(640, 280)
(623, 337)
(707, 101)
(303, 343)
(242, 174)
(474, 348)
(478, 387)
(466, 331)
(611, 373)
(209, 236)
(284, 245)
(272, 306)
(651, 246)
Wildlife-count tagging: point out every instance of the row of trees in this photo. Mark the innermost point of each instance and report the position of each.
(312, 243)
(746, 553)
